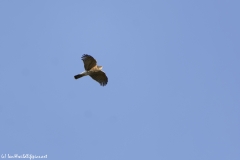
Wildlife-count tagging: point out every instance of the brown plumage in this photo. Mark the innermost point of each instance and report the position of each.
(93, 70)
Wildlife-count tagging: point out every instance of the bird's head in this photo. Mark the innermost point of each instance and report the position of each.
(100, 67)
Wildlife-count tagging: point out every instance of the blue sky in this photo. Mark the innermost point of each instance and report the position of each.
(173, 69)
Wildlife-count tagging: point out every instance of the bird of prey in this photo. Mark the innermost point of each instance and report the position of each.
(93, 70)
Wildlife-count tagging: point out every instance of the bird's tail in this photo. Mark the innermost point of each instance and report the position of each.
(79, 76)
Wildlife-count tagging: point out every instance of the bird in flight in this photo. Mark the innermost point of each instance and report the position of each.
(93, 70)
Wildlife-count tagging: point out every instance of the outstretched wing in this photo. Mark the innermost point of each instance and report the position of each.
(89, 62)
(100, 77)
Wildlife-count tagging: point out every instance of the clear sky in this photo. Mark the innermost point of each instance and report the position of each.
(174, 79)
